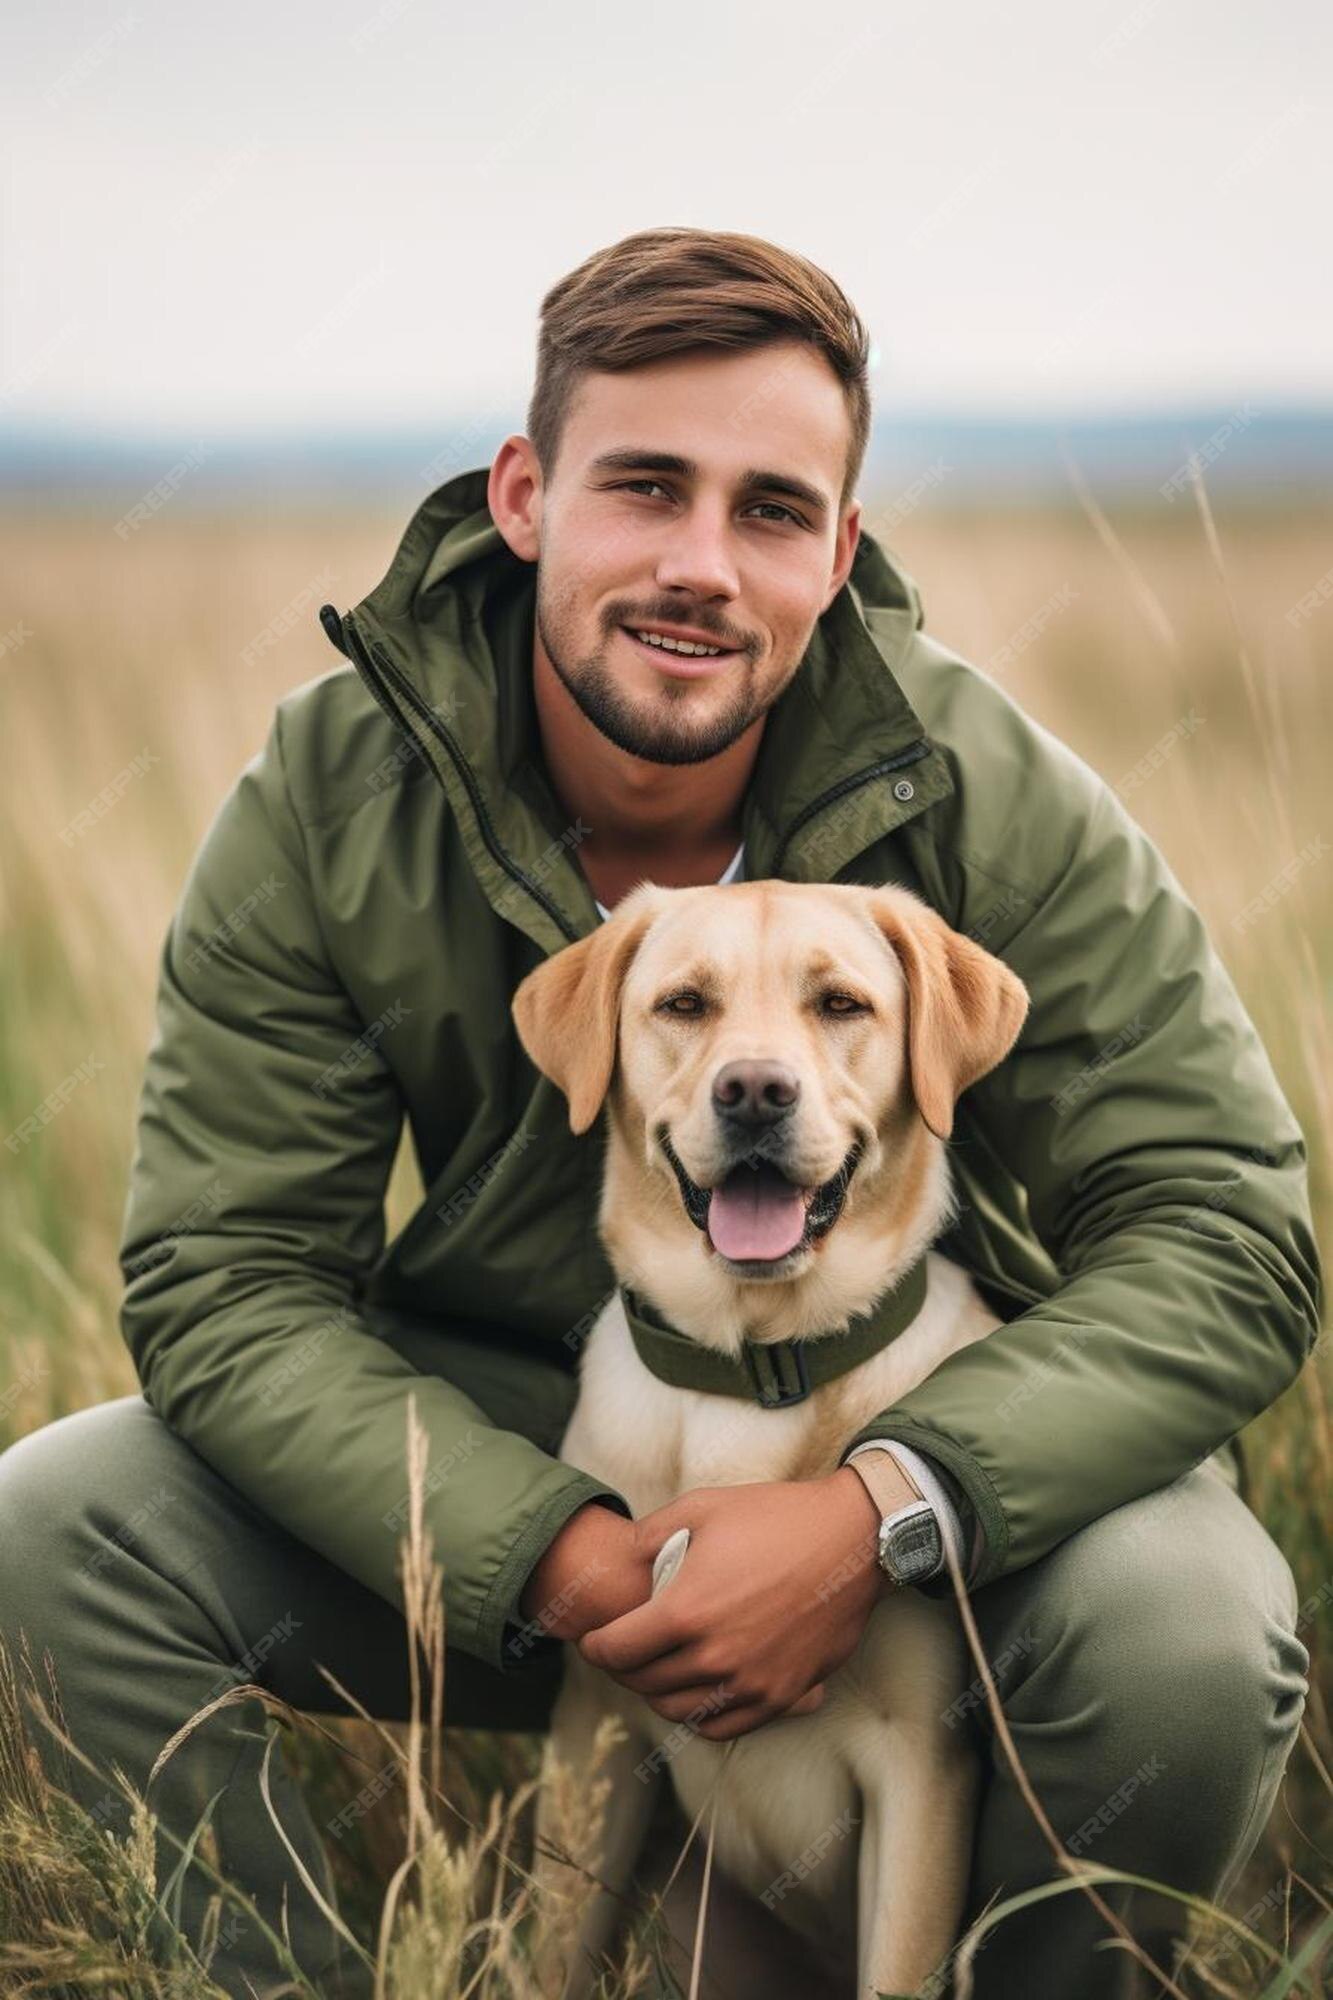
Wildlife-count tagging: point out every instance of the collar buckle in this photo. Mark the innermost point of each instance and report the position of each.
(778, 1372)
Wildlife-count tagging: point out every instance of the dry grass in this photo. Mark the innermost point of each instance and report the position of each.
(140, 646)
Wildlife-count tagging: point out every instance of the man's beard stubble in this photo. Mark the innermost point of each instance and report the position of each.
(620, 718)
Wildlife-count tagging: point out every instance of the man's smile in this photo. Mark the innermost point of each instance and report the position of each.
(691, 657)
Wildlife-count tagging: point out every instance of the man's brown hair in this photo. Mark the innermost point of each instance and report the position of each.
(663, 291)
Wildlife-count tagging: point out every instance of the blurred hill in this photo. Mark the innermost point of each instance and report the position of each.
(1275, 457)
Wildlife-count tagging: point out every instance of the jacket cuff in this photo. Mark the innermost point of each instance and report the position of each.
(505, 1638)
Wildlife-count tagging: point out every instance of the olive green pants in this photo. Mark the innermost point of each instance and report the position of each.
(1148, 1667)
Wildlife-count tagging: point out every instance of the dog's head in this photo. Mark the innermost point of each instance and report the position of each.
(771, 1051)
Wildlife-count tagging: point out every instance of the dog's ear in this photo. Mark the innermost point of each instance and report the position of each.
(964, 1006)
(567, 1010)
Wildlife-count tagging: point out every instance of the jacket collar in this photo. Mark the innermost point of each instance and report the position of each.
(771, 1373)
(444, 642)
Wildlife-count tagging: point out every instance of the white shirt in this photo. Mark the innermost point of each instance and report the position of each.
(911, 1461)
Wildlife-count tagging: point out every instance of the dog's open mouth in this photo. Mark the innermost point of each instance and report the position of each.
(756, 1215)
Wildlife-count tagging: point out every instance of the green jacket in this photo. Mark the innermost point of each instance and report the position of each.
(369, 894)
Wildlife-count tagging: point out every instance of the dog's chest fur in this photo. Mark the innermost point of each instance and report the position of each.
(653, 1442)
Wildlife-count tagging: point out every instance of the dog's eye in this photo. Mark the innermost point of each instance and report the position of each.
(843, 1004)
(685, 1005)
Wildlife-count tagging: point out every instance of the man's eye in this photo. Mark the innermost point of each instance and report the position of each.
(775, 507)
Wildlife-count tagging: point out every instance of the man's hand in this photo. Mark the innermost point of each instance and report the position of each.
(773, 1595)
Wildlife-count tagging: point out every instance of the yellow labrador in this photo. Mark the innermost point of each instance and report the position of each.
(845, 1022)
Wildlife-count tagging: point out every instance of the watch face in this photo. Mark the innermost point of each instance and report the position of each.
(910, 1548)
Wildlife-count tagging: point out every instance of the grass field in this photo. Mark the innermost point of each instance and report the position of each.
(1173, 655)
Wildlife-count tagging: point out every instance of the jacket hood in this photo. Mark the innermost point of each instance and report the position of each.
(444, 642)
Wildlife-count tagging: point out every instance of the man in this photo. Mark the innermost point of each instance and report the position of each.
(372, 890)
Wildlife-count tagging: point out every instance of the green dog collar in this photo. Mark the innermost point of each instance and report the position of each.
(772, 1373)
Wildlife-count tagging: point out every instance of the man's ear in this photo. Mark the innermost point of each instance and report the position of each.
(567, 1010)
(964, 1006)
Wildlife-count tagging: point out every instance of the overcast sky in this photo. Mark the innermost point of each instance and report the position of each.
(348, 212)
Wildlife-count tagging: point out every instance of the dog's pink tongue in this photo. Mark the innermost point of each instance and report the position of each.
(755, 1215)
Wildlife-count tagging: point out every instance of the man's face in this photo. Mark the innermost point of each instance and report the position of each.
(698, 496)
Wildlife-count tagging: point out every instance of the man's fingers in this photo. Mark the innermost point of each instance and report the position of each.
(633, 1640)
(674, 1673)
(731, 1721)
(701, 1705)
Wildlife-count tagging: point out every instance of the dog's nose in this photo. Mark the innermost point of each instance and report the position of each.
(755, 1093)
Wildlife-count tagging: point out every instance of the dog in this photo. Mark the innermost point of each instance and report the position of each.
(816, 1037)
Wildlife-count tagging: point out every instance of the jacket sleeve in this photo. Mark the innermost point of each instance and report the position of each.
(254, 1212)
(1163, 1169)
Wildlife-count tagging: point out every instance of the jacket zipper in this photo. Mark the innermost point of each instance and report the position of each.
(911, 755)
(372, 661)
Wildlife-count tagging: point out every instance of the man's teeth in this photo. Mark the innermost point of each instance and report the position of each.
(676, 645)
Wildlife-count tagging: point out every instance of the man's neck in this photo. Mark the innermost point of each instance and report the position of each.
(677, 824)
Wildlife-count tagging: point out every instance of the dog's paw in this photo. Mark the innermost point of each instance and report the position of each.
(669, 1558)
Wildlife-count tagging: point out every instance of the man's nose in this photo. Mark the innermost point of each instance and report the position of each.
(755, 1094)
(696, 558)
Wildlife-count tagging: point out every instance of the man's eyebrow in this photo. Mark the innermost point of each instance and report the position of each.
(754, 480)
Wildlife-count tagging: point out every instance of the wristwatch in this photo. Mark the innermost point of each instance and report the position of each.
(908, 1546)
